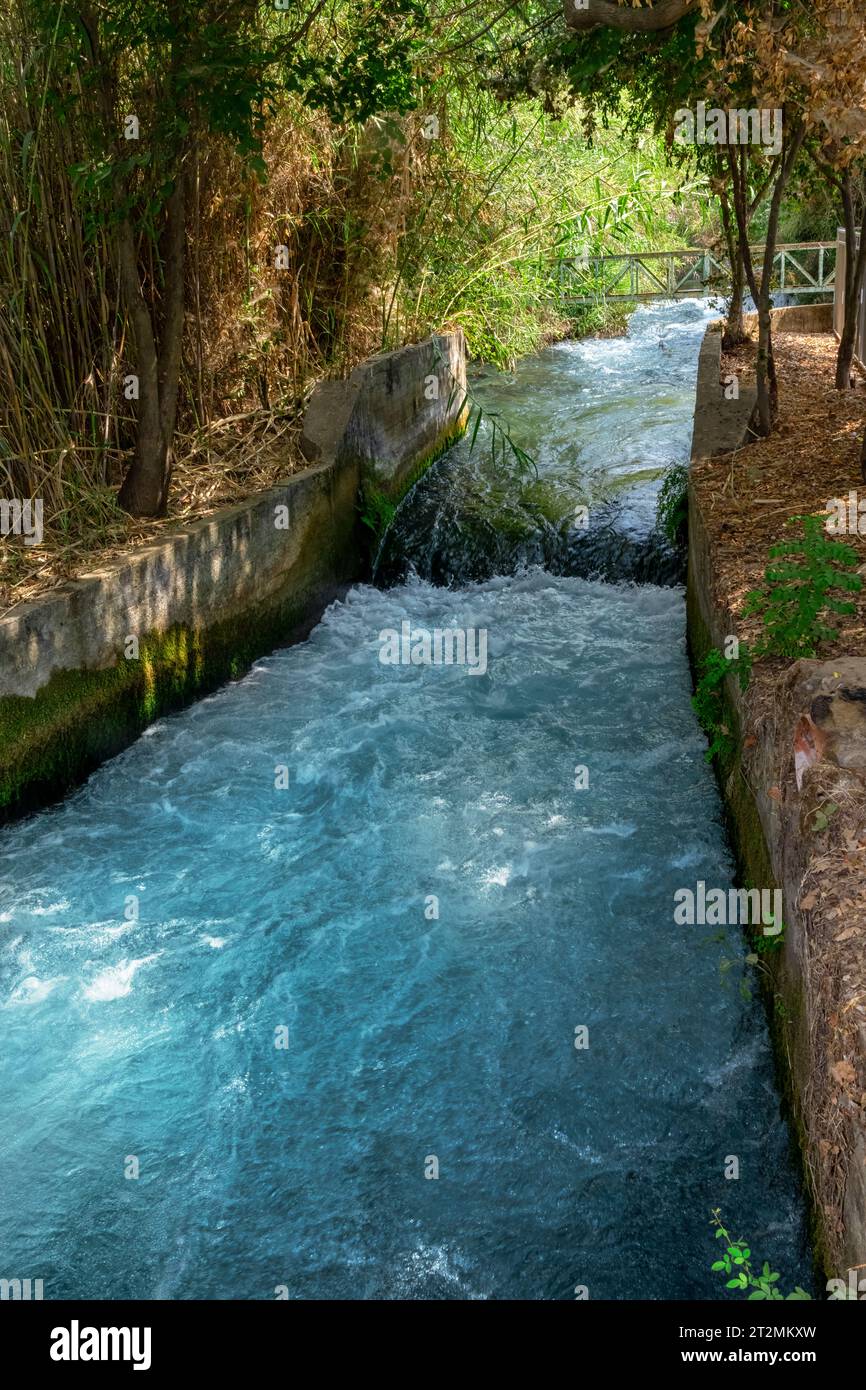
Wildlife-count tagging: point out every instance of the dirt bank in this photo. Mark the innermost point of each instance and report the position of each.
(795, 779)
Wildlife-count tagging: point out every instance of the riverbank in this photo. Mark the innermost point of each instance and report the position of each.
(794, 779)
(86, 668)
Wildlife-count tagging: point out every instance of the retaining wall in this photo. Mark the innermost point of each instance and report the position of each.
(807, 752)
(84, 669)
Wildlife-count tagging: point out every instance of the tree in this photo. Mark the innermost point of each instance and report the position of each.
(827, 65)
(153, 81)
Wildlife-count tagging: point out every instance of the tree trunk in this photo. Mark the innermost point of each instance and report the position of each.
(735, 332)
(146, 486)
(767, 383)
(855, 270)
(142, 490)
(646, 20)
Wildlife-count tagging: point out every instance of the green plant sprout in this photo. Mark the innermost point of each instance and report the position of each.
(736, 1262)
(708, 701)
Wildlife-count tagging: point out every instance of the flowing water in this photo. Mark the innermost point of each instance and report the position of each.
(425, 915)
(603, 420)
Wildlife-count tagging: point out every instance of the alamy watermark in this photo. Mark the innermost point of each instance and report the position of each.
(847, 516)
(421, 646)
(22, 518)
(21, 1290)
(719, 907)
(714, 126)
(77, 1343)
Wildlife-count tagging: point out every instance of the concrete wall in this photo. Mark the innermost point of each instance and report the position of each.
(393, 414)
(771, 815)
(84, 669)
(721, 425)
(237, 559)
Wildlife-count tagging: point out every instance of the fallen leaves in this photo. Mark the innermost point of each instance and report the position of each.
(843, 1072)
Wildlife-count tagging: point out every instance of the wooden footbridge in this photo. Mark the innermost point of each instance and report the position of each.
(799, 268)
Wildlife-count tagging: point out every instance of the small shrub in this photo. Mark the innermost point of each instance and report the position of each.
(736, 1261)
(799, 592)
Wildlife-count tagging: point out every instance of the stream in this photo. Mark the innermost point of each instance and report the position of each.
(418, 1024)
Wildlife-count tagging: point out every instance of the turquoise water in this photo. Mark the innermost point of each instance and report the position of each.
(603, 420)
(161, 928)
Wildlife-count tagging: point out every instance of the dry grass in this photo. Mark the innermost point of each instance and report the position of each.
(255, 339)
(230, 460)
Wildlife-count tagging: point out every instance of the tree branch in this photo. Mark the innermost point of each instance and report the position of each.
(664, 14)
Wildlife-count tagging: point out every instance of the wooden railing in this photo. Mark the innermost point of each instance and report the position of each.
(801, 268)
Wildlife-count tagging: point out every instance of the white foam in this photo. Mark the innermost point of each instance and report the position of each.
(116, 981)
(32, 990)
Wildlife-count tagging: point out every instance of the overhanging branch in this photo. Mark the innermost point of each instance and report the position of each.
(664, 14)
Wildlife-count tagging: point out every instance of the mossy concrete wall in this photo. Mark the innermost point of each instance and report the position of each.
(394, 415)
(770, 819)
(84, 669)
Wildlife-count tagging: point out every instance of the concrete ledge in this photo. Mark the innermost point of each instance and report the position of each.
(86, 668)
(244, 556)
(393, 414)
(720, 425)
(798, 318)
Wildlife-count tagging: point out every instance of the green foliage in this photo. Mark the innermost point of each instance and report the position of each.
(673, 504)
(511, 198)
(765, 945)
(502, 446)
(823, 815)
(371, 68)
(605, 318)
(798, 593)
(736, 1262)
(377, 512)
(186, 67)
(708, 699)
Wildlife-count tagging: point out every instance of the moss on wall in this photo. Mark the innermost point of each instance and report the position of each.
(379, 500)
(397, 489)
(55, 739)
(781, 977)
